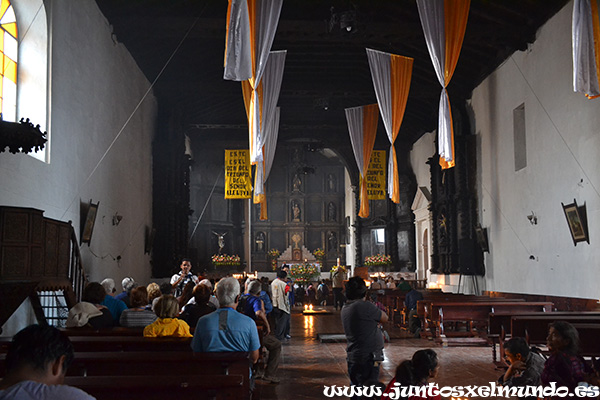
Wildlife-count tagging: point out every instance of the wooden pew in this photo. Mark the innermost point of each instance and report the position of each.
(534, 328)
(476, 313)
(228, 371)
(189, 387)
(533, 325)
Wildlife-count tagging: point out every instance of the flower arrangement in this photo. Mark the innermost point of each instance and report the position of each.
(379, 259)
(319, 254)
(273, 254)
(304, 273)
(226, 260)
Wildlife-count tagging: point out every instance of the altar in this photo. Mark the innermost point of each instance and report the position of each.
(296, 255)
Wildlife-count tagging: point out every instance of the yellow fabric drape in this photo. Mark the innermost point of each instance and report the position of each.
(401, 74)
(248, 93)
(596, 27)
(456, 14)
(370, 120)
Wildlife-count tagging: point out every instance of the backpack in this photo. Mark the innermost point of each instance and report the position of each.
(241, 307)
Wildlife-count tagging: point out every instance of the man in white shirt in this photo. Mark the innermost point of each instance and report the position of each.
(281, 304)
(178, 281)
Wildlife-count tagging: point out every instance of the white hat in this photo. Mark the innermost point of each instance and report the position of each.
(81, 313)
(127, 284)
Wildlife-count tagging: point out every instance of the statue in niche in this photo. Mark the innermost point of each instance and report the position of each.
(331, 183)
(260, 242)
(296, 212)
(331, 212)
(296, 183)
(331, 241)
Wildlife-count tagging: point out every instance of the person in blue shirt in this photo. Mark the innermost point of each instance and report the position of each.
(255, 309)
(116, 307)
(226, 329)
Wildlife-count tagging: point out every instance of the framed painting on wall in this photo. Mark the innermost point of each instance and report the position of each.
(88, 224)
(577, 221)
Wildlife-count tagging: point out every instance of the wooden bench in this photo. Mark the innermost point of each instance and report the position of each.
(189, 387)
(531, 326)
(475, 314)
(228, 371)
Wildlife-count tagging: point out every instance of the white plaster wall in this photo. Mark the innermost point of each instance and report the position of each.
(562, 164)
(95, 88)
(420, 153)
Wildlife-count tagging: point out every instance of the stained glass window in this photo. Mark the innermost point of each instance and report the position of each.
(8, 54)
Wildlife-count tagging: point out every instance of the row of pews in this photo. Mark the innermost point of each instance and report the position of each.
(122, 364)
(461, 319)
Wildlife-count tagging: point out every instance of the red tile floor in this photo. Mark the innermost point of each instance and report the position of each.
(307, 365)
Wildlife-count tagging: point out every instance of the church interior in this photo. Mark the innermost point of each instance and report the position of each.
(123, 172)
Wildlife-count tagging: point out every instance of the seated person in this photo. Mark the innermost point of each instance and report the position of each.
(167, 324)
(403, 286)
(138, 316)
(564, 366)
(36, 363)
(200, 307)
(89, 312)
(525, 367)
(415, 372)
(410, 301)
(116, 307)
(153, 293)
(254, 308)
(226, 329)
(127, 283)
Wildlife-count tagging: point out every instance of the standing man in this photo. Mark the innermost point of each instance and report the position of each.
(365, 340)
(178, 281)
(281, 304)
(337, 281)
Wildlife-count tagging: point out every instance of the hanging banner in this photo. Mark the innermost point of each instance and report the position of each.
(376, 176)
(238, 177)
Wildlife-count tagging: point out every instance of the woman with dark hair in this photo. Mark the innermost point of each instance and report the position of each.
(564, 366)
(415, 372)
(186, 294)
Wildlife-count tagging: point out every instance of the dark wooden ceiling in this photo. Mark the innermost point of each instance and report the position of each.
(326, 68)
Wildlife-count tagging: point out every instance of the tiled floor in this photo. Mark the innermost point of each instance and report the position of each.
(307, 365)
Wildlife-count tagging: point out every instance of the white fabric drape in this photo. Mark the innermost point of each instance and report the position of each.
(585, 75)
(380, 65)
(271, 134)
(271, 86)
(431, 13)
(354, 117)
(241, 49)
(238, 59)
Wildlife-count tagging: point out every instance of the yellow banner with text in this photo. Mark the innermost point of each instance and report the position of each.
(376, 175)
(238, 176)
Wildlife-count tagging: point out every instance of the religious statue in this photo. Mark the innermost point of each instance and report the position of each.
(331, 183)
(296, 212)
(331, 241)
(296, 183)
(260, 241)
(221, 240)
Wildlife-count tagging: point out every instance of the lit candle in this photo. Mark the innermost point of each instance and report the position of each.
(310, 307)
(338, 261)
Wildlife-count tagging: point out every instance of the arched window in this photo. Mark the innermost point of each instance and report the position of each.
(9, 51)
